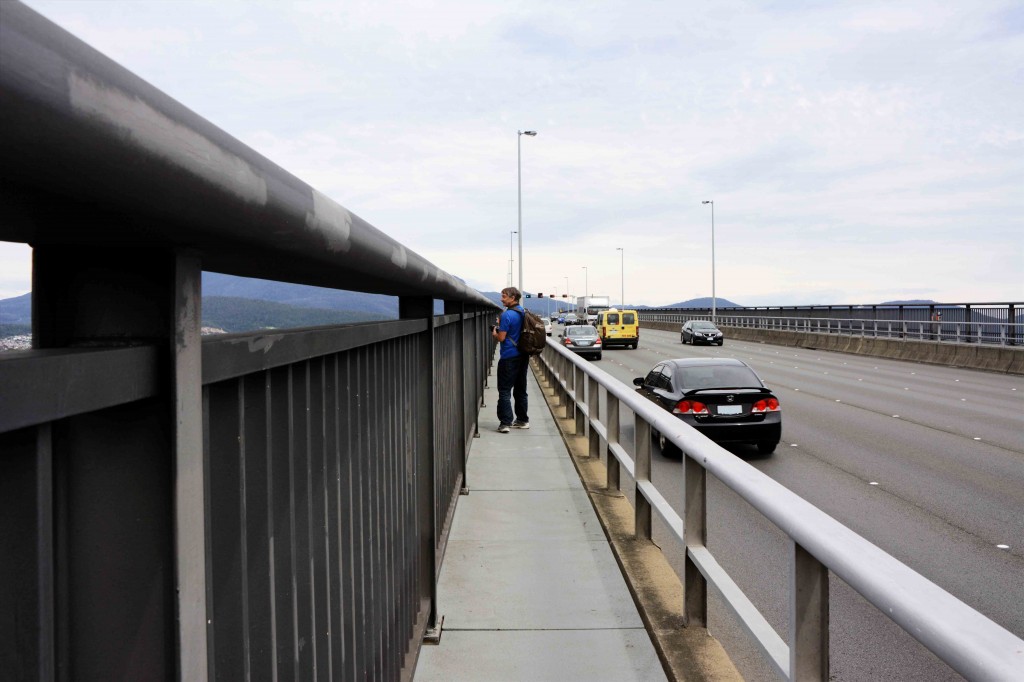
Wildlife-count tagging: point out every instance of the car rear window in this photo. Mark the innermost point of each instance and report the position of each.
(581, 331)
(628, 318)
(716, 377)
(611, 318)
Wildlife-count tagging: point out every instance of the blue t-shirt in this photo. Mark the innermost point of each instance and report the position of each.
(512, 324)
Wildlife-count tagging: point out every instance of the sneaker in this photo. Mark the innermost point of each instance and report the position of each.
(520, 425)
(504, 428)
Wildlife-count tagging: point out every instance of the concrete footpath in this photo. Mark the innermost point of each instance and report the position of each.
(529, 588)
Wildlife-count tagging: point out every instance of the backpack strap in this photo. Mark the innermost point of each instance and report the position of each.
(522, 314)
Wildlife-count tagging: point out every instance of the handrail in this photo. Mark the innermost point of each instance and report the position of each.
(963, 638)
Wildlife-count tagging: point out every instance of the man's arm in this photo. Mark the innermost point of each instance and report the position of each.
(500, 336)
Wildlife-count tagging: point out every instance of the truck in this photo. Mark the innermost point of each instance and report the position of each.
(587, 307)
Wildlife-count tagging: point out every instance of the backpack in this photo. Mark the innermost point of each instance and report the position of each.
(533, 336)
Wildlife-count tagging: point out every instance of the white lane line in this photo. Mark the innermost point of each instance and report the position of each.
(873, 483)
(895, 416)
(1003, 546)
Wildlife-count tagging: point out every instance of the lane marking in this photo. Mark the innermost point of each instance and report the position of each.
(873, 483)
(1003, 546)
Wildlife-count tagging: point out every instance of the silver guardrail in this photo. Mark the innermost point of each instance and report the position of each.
(966, 640)
(987, 326)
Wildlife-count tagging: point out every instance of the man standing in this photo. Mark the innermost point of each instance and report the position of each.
(512, 364)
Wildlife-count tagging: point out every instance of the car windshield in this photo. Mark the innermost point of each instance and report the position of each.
(581, 331)
(717, 376)
(704, 325)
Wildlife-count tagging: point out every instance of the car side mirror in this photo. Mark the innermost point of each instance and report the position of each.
(638, 381)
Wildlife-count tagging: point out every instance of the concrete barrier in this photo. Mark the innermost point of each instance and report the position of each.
(1004, 359)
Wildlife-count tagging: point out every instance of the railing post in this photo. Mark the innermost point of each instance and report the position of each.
(642, 473)
(594, 409)
(808, 620)
(129, 504)
(695, 589)
(613, 469)
(580, 382)
(449, 309)
(570, 389)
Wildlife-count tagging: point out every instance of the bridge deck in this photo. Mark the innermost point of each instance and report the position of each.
(529, 588)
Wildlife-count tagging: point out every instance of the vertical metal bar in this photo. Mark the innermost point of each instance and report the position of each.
(569, 400)
(808, 622)
(190, 505)
(614, 469)
(642, 471)
(580, 383)
(45, 553)
(594, 408)
(695, 589)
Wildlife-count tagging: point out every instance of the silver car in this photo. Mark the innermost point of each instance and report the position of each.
(547, 324)
(582, 340)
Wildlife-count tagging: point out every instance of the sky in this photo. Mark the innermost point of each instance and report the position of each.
(856, 152)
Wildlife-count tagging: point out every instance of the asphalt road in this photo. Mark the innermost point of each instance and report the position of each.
(926, 462)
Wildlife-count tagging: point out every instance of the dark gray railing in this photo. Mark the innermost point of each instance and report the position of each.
(262, 505)
(963, 638)
(1000, 324)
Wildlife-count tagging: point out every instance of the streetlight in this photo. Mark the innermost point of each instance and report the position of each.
(713, 299)
(510, 259)
(622, 277)
(519, 165)
(568, 294)
(586, 280)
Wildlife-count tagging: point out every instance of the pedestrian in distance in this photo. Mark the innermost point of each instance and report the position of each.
(512, 365)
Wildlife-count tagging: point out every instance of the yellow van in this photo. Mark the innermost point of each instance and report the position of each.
(618, 328)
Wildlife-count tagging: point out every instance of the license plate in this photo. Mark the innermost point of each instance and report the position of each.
(729, 409)
(584, 343)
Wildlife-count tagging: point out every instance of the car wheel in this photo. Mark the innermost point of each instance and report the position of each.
(668, 448)
(721, 342)
(766, 448)
(682, 339)
(597, 357)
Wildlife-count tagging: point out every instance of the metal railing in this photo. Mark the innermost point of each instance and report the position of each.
(964, 639)
(1000, 324)
(271, 504)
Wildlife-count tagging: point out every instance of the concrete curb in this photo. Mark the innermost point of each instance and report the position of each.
(687, 654)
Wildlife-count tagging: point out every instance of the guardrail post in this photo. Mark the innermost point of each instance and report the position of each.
(580, 382)
(129, 509)
(642, 473)
(613, 469)
(808, 620)
(594, 410)
(695, 588)
(570, 389)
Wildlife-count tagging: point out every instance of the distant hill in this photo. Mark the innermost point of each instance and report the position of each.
(300, 295)
(235, 314)
(703, 303)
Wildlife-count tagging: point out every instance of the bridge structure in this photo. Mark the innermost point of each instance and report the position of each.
(278, 504)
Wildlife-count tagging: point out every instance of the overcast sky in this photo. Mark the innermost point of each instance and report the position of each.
(856, 151)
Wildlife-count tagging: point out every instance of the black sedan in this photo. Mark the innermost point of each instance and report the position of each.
(701, 331)
(723, 398)
(583, 340)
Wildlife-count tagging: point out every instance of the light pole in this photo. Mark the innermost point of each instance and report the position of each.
(586, 282)
(713, 299)
(622, 276)
(568, 295)
(510, 258)
(519, 166)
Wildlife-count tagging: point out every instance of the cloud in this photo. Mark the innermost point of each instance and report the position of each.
(851, 148)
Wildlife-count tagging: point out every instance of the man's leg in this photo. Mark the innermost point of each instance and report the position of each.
(522, 402)
(506, 381)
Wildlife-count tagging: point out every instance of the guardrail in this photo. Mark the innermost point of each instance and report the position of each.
(273, 504)
(1000, 324)
(963, 638)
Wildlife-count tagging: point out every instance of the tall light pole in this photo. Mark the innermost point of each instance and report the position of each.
(586, 281)
(510, 258)
(622, 276)
(713, 299)
(568, 294)
(519, 166)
